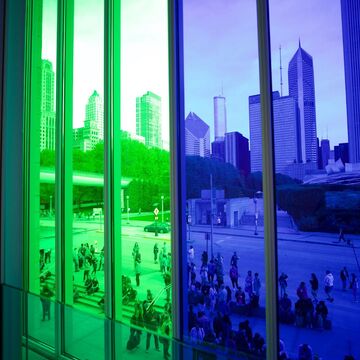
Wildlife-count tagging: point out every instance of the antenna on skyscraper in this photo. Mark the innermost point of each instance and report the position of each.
(222, 90)
(281, 80)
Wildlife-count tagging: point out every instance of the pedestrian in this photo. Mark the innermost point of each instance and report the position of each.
(137, 268)
(204, 258)
(48, 256)
(341, 235)
(165, 334)
(256, 284)
(204, 274)
(156, 252)
(87, 268)
(211, 271)
(152, 322)
(234, 277)
(191, 254)
(283, 284)
(329, 285)
(234, 260)
(314, 283)
(94, 265)
(344, 277)
(101, 260)
(301, 291)
(45, 295)
(135, 250)
(167, 281)
(354, 286)
(249, 283)
(76, 259)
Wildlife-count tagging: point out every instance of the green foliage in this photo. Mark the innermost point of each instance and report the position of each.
(225, 176)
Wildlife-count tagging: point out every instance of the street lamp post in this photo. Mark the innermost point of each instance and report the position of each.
(128, 209)
(162, 208)
(50, 208)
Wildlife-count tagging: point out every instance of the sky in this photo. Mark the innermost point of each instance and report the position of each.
(220, 55)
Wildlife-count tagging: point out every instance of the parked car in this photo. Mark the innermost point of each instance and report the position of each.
(161, 227)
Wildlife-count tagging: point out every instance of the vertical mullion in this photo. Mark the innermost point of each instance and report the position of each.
(112, 173)
(177, 156)
(63, 169)
(270, 230)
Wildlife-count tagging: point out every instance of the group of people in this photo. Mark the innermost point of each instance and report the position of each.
(157, 325)
(212, 300)
(162, 256)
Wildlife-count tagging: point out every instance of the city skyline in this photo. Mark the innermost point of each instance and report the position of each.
(236, 67)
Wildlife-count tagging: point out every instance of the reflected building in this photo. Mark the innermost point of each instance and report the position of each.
(302, 89)
(148, 119)
(197, 136)
(286, 132)
(350, 13)
(47, 121)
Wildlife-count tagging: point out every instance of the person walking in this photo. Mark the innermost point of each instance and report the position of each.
(135, 250)
(156, 252)
(329, 285)
(344, 277)
(354, 286)
(314, 283)
(137, 268)
(45, 296)
(256, 284)
(283, 284)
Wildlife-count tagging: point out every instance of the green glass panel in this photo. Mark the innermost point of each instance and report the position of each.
(145, 160)
(41, 158)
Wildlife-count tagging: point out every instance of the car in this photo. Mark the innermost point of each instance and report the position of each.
(161, 227)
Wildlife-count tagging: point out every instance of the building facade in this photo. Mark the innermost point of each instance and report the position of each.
(148, 118)
(220, 117)
(286, 132)
(237, 151)
(302, 89)
(197, 136)
(47, 121)
(350, 13)
(325, 152)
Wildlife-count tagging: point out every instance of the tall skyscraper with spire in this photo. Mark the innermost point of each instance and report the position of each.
(148, 118)
(47, 121)
(220, 117)
(302, 89)
(350, 13)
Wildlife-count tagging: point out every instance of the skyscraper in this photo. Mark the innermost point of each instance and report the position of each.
(237, 151)
(350, 13)
(302, 89)
(94, 112)
(47, 121)
(148, 118)
(92, 133)
(325, 152)
(197, 136)
(219, 117)
(286, 132)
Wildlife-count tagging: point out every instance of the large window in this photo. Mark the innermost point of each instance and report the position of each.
(225, 252)
(315, 131)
